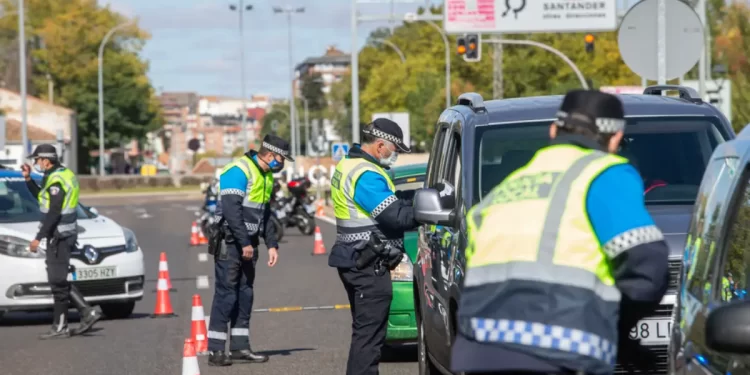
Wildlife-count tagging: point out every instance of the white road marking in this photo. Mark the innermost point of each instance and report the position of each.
(208, 318)
(201, 282)
(144, 215)
(202, 257)
(326, 219)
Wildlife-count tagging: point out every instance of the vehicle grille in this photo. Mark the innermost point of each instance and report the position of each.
(106, 287)
(661, 362)
(104, 252)
(675, 266)
(663, 311)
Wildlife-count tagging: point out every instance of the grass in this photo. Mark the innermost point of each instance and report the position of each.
(144, 189)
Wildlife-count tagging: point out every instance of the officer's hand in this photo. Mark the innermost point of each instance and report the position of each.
(33, 246)
(273, 256)
(247, 252)
(26, 171)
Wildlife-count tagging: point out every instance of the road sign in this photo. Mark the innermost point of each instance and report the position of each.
(638, 39)
(339, 150)
(402, 119)
(529, 16)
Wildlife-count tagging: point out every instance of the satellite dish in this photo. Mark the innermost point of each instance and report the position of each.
(194, 144)
(638, 39)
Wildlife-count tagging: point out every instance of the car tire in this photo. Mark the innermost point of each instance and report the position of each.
(120, 310)
(425, 364)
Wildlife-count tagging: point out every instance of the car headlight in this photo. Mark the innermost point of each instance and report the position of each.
(404, 271)
(131, 243)
(19, 248)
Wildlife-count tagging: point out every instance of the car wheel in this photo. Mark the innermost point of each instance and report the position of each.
(425, 364)
(120, 310)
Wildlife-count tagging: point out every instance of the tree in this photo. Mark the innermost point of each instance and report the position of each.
(312, 91)
(70, 32)
(278, 116)
(339, 110)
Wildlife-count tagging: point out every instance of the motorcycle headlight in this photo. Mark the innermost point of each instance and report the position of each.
(131, 243)
(19, 248)
(404, 271)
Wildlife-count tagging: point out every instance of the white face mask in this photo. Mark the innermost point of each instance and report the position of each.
(391, 160)
(38, 169)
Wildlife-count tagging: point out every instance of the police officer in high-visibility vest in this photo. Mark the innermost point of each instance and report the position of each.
(563, 258)
(58, 200)
(371, 218)
(245, 187)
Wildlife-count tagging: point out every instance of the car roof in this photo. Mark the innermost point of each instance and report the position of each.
(545, 107)
(14, 173)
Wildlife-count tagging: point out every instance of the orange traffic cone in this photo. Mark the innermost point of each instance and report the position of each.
(320, 247)
(189, 360)
(202, 240)
(163, 307)
(194, 240)
(164, 270)
(198, 327)
(319, 210)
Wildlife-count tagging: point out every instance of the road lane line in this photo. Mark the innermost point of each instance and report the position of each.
(326, 219)
(202, 257)
(201, 282)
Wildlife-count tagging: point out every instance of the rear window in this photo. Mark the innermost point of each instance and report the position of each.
(18, 205)
(671, 154)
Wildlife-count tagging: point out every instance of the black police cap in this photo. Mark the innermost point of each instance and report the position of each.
(598, 111)
(277, 145)
(46, 151)
(384, 128)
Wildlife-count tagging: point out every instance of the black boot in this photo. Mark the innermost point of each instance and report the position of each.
(219, 358)
(248, 355)
(59, 329)
(89, 315)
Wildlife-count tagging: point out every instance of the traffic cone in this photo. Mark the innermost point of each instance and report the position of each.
(163, 307)
(198, 327)
(320, 247)
(164, 271)
(194, 240)
(189, 360)
(319, 210)
(202, 240)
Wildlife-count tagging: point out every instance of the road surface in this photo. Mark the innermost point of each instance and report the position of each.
(298, 342)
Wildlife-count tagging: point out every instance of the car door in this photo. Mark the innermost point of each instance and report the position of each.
(701, 291)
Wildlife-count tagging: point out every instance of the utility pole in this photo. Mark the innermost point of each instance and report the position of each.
(703, 67)
(22, 76)
(498, 89)
(243, 127)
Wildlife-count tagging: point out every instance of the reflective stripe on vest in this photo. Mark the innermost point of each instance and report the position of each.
(67, 179)
(531, 263)
(257, 194)
(353, 224)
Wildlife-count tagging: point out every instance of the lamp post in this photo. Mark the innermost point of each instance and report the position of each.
(22, 78)
(101, 92)
(289, 10)
(241, 9)
(393, 46)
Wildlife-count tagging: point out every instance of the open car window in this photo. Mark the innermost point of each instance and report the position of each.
(18, 205)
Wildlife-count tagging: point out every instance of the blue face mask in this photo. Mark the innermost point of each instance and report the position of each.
(275, 166)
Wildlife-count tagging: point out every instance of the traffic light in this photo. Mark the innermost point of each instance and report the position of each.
(470, 47)
(589, 39)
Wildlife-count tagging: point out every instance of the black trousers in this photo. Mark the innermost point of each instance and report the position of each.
(370, 300)
(63, 292)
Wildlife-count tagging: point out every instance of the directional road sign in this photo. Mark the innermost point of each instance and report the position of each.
(339, 150)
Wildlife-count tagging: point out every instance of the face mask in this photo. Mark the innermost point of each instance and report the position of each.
(275, 166)
(38, 169)
(390, 160)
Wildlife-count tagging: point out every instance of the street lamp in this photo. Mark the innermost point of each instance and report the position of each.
(393, 46)
(101, 92)
(22, 77)
(412, 17)
(289, 10)
(242, 7)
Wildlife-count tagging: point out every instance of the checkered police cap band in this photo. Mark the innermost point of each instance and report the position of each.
(49, 155)
(275, 149)
(604, 124)
(382, 135)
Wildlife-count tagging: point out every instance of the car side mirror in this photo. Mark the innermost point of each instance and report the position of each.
(94, 211)
(429, 210)
(728, 328)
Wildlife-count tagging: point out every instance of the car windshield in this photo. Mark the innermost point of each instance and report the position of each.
(671, 154)
(409, 183)
(18, 205)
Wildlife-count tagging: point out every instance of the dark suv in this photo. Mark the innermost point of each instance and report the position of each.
(713, 311)
(478, 144)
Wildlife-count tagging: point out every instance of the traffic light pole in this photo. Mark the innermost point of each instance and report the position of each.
(545, 47)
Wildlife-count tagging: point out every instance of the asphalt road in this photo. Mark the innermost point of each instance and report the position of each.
(298, 342)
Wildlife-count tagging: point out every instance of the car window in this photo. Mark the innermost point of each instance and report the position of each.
(735, 273)
(18, 205)
(701, 260)
(671, 154)
(409, 183)
(437, 147)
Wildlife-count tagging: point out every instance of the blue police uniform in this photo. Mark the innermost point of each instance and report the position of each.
(244, 222)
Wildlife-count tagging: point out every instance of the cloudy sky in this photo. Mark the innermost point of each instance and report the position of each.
(195, 43)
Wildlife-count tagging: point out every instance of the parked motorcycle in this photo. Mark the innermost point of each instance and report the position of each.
(295, 210)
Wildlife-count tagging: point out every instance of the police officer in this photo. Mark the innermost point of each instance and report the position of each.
(371, 218)
(58, 199)
(563, 257)
(245, 188)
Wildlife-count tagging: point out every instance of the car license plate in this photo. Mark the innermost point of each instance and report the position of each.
(94, 273)
(652, 331)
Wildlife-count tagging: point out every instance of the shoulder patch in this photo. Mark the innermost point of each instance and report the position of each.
(54, 190)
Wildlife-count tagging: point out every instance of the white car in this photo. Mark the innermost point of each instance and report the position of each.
(109, 269)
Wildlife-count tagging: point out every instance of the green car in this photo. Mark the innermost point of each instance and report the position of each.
(402, 323)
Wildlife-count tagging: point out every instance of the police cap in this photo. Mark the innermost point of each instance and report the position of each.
(277, 145)
(597, 111)
(384, 128)
(46, 151)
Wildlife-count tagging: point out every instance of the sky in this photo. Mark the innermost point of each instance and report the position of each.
(195, 44)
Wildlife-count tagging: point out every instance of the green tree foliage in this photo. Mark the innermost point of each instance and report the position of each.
(279, 114)
(69, 33)
(731, 47)
(312, 91)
